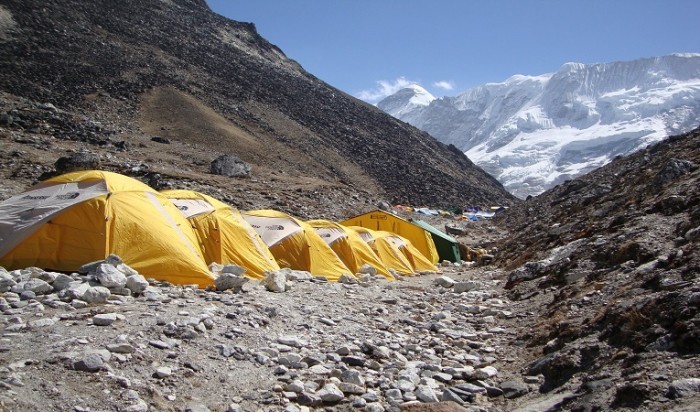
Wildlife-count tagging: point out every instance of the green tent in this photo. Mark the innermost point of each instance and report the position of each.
(446, 245)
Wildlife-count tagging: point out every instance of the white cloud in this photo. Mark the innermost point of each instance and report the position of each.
(384, 88)
(445, 84)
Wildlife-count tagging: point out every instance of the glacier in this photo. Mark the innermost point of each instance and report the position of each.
(534, 132)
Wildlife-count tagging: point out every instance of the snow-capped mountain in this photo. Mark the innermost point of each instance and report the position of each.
(533, 132)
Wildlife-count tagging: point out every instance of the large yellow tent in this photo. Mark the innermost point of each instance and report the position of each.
(295, 244)
(224, 236)
(388, 252)
(349, 246)
(76, 218)
(416, 235)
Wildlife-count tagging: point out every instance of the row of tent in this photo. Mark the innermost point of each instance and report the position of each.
(80, 217)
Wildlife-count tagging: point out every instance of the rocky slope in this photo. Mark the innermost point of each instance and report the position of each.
(119, 73)
(533, 132)
(609, 264)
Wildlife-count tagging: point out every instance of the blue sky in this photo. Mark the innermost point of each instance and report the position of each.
(370, 48)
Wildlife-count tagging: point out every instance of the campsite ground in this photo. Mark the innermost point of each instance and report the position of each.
(188, 348)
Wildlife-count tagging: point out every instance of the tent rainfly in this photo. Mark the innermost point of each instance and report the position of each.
(295, 244)
(389, 247)
(381, 220)
(80, 217)
(349, 246)
(224, 236)
(446, 246)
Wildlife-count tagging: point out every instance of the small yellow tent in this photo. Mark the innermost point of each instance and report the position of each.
(388, 252)
(224, 236)
(76, 218)
(349, 246)
(295, 244)
(381, 220)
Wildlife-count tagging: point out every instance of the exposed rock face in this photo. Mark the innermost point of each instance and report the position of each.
(609, 263)
(109, 65)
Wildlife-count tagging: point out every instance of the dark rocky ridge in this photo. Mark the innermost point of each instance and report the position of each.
(609, 265)
(84, 55)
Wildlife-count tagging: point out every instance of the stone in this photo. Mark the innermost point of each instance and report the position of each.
(292, 341)
(109, 276)
(61, 282)
(121, 348)
(104, 319)
(163, 372)
(351, 389)
(96, 294)
(295, 386)
(347, 279)
(426, 394)
(275, 281)
(42, 323)
(136, 283)
(230, 281)
(467, 286)
(514, 389)
(77, 161)
(38, 286)
(330, 393)
(367, 269)
(90, 362)
(309, 399)
(374, 407)
(444, 281)
(486, 372)
(683, 388)
(230, 166)
(352, 376)
(74, 290)
(6, 282)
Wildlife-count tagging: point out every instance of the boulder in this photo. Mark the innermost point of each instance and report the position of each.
(77, 161)
(96, 294)
(109, 276)
(230, 166)
(226, 281)
(136, 283)
(275, 281)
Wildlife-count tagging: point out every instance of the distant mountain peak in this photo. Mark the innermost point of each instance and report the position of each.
(533, 132)
(406, 100)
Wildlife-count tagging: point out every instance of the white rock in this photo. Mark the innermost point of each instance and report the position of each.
(38, 286)
(486, 372)
(104, 319)
(426, 394)
(163, 372)
(96, 294)
(275, 281)
(109, 276)
(136, 283)
(445, 282)
(330, 393)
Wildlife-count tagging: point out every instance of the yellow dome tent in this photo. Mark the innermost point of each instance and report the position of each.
(295, 244)
(416, 235)
(349, 246)
(388, 252)
(80, 217)
(224, 236)
(419, 262)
